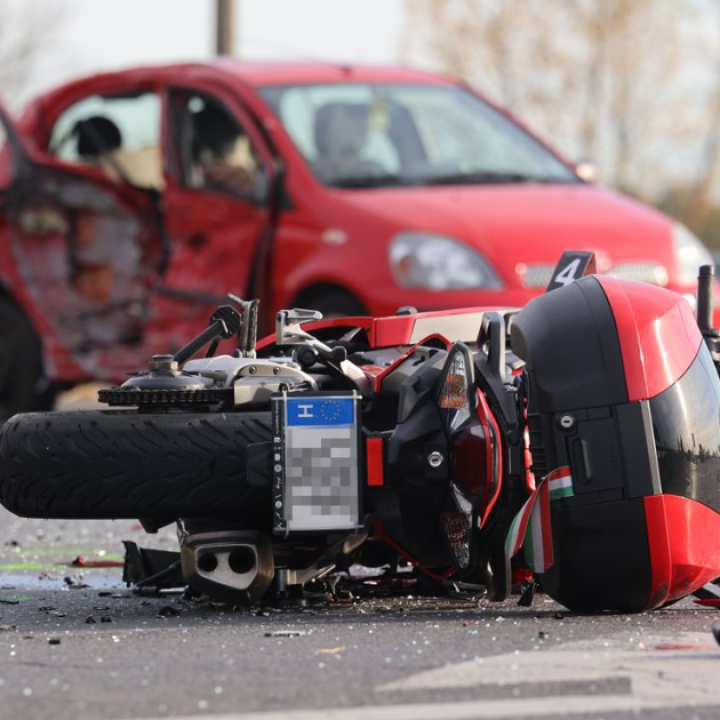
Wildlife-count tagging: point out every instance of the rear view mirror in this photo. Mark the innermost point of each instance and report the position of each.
(456, 394)
(586, 170)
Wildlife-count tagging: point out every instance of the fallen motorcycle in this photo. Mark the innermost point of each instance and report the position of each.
(584, 428)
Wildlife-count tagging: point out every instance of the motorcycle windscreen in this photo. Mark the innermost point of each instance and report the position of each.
(686, 424)
(90, 261)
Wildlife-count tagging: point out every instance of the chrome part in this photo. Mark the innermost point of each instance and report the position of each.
(163, 362)
(567, 422)
(288, 331)
(285, 577)
(227, 565)
(435, 459)
(253, 380)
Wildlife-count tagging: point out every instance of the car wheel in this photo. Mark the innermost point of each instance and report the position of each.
(20, 365)
(335, 304)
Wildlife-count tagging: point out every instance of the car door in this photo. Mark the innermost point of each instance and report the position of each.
(87, 249)
(217, 202)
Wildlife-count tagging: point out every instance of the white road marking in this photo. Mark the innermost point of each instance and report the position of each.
(659, 679)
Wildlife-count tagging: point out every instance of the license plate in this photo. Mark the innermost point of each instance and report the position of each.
(316, 457)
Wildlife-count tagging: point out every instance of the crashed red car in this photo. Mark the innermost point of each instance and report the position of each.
(130, 202)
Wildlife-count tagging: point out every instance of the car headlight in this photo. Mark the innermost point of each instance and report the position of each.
(436, 262)
(691, 254)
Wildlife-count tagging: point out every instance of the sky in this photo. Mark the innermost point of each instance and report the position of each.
(95, 35)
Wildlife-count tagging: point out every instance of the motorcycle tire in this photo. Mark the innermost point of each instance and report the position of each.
(123, 464)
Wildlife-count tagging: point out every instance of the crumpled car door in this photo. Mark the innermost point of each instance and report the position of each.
(88, 250)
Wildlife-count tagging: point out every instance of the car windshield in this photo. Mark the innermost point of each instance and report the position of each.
(363, 135)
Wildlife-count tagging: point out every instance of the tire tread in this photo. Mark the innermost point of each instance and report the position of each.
(111, 465)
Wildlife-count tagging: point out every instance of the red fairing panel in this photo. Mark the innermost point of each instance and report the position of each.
(684, 539)
(658, 333)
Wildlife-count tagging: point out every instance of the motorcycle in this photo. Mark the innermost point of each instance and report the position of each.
(583, 429)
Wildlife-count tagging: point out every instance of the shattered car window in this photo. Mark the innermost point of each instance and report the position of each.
(120, 135)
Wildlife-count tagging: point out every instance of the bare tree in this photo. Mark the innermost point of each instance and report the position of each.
(26, 33)
(599, 77)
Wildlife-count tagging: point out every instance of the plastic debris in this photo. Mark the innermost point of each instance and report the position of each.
(169, 611)
(81, 562)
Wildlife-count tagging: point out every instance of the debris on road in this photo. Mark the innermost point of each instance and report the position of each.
(81, 562)
(169, 611)
(285, 633)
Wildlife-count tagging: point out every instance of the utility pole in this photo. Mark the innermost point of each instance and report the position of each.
(224, 24)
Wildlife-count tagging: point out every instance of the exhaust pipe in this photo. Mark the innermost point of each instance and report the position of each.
(230, 565)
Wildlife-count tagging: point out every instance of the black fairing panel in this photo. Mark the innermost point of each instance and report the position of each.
(421, 491)
(569, 341)
(602, 557)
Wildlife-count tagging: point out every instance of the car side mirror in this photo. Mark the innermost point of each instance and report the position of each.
(586, 170)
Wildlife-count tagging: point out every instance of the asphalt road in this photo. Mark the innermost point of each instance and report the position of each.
(398, 658)
(75, 644)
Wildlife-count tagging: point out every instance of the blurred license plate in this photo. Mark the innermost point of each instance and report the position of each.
(316, 455)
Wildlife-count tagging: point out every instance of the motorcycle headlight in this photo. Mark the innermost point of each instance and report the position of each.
(435, 262)
(690, 253)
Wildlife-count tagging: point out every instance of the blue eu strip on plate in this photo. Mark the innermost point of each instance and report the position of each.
(319, 412)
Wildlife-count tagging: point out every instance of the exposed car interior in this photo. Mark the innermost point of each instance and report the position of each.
(215, 152)
(119, 134)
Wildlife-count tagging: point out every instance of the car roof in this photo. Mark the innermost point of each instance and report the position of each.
(304, 72)
(263, 73)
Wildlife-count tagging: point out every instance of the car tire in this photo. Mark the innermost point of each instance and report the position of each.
(21, 367)
(335, 304)
(125, 464)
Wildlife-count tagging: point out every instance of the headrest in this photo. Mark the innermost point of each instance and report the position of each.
(341, 129)
(96, 135)
(214, 130)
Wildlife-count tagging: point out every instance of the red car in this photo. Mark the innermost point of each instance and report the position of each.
(131, 202)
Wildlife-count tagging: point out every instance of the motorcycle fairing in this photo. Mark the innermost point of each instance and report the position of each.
(453, 325)
(658, 335)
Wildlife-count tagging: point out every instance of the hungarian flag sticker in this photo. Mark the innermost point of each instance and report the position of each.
(531, 528)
